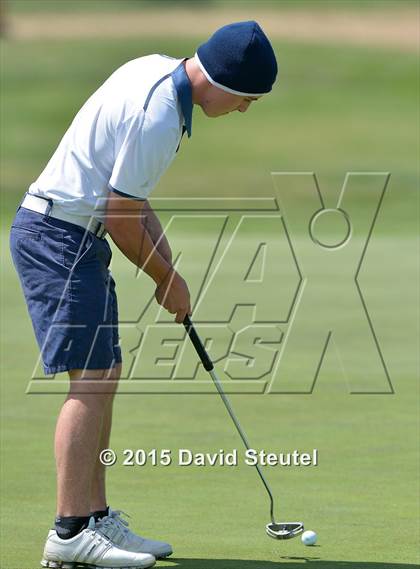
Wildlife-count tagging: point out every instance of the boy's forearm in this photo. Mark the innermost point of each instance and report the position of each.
(134, 241)
(155, 230)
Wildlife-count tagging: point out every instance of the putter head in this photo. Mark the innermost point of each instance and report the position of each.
(284, 530)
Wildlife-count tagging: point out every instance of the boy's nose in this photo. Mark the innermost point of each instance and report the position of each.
(243, 107)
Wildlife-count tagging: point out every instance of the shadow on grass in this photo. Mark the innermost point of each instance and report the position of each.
(283, 562)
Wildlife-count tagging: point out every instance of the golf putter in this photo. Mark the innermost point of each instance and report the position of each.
(276, 530)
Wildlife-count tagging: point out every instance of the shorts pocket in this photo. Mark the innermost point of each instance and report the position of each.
(77, 250)
(19, 233)
(37, 259)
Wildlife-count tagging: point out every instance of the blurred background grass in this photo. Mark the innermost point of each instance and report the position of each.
(57, 6)
(338, 106)
(334, 109)
(51, 6)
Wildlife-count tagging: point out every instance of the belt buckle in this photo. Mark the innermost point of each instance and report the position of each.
(96, 227)
(100, 231)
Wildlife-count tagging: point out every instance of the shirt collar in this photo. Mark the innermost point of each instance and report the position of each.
(184, 91)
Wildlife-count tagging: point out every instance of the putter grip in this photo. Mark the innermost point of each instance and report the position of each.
(198, 345)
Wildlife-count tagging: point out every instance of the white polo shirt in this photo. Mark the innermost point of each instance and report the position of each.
(123, 138)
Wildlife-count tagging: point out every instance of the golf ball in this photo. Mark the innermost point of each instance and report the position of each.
(309, 537)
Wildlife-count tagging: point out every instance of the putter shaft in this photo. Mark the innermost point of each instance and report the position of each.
(208, 365)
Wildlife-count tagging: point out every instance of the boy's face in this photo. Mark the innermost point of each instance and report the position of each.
(219, 102)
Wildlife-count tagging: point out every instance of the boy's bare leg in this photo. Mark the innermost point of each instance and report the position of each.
(98, 501)
(78, 436)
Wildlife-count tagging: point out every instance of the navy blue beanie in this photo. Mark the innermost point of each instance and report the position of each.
(239, 59)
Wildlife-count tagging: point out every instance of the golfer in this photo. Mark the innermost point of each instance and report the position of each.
(97, 182)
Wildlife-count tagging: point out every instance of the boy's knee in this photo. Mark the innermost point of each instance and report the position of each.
(102, 383)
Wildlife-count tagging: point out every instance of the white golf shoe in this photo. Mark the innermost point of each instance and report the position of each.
(115, 528)
(91, 549)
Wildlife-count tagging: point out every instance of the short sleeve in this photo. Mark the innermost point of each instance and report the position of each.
(144, 148)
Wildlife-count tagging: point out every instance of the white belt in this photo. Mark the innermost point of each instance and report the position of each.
(46, 206)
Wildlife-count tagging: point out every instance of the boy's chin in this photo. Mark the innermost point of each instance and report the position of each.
(213, 114)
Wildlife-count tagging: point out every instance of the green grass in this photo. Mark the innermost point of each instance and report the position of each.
(334, 110)
(361, 498)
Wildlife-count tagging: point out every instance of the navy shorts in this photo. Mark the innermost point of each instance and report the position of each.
(69, 291)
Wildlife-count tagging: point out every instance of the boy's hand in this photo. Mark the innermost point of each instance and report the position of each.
(173, 294)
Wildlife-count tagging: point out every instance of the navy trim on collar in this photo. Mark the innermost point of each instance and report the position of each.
(152, 90)
(184, 91)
